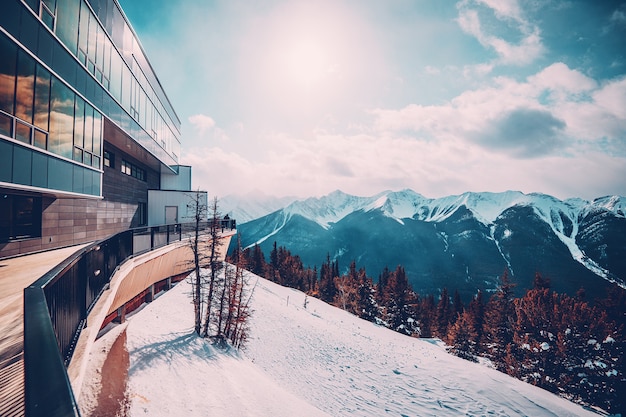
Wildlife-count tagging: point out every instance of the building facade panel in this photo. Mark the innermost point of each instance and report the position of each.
(85, 126)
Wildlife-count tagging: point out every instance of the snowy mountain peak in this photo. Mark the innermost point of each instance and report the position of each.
(485, 206)
(614, 204)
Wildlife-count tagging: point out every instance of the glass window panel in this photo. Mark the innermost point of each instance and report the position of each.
(42, 98)
(95, 162)
(47, 18)
(60, 140)
(50, 3)
(22, 132)
(6, 216)
(6, 124)
(88, 128)
(8, 52)
(67, 23)
(126, 83)
(40, 170)
(97, 133)
(29, 29)
(79, 180)
(41, 139)
(79, 123)
(6, 161)
(26, 217)
(87, 158)
(92, 45)
(92, 182)
(78, 154)
(59, 175)
(46, 44)
(100, 51)
(83, 32)
(22, 163)
(116, 75)
(25, 87)
(106, 64)
(82, 57)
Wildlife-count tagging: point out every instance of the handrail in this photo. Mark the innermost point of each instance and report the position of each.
(56, 307)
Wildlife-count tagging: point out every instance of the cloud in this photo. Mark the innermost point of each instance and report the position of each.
(504, 8)
(202, 122)
(619, 15)
(525, 133)
(204, 127)
(524, 52)
(555, 110)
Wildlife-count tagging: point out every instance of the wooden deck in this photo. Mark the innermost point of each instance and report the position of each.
(15, 275)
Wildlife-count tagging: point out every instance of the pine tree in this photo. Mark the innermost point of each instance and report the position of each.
(460, 337)
(426, 316)
(499, 319)
(257, 261)
(367, 307)
(476, 316)
(327, 288)
(443, 314)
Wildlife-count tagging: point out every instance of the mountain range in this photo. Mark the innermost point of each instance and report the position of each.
(462, 242)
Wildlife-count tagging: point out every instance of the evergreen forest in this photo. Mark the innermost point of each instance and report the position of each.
(565, 344)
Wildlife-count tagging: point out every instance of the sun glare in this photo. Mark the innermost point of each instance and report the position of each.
(307, 62)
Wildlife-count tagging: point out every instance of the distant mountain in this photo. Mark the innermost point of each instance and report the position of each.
(244, 208)
(462, 242)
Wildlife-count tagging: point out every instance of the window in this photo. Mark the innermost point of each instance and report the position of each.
(61, 119)
(8, 52)
(20, 217)
(109, 159)
(133, 170)
(47, 13)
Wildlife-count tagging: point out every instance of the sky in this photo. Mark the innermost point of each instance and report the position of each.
(301, 98)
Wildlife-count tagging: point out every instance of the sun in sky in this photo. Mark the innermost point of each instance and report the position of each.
(297, 97)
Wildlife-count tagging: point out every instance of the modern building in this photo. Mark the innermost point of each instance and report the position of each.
(86, 129)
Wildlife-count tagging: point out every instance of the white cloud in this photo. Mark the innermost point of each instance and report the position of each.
(202, 122)
(505, 8)
(527, 118)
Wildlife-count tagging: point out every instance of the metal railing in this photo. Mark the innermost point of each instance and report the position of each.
(56, 307)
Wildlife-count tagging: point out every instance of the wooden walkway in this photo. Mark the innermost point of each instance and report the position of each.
(15, 275)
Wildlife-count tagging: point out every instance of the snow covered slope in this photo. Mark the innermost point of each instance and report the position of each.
(312, 361)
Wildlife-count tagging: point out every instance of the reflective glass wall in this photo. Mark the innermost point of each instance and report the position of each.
(99, 36)
(39, 110)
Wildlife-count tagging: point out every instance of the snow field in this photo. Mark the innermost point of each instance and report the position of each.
(313, 361)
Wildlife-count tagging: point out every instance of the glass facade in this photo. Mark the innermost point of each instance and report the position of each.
(68, 68)
(54, 94)
(38, 109)
(107, 47)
